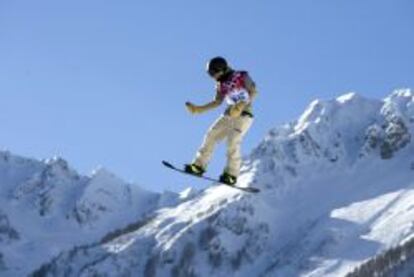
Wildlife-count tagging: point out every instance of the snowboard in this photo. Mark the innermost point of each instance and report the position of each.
(245, 189)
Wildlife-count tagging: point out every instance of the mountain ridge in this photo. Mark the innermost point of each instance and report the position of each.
(334, 184)
(44, 201)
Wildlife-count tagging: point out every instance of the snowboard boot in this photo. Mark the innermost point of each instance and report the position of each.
(228, 179)
(194, 169)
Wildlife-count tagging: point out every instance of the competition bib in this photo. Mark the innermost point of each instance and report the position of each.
(236, 96)
(234, 90)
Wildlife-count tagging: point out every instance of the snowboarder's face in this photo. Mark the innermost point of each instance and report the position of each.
(216, 76)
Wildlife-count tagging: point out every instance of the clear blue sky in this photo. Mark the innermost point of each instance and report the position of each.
(104, 82)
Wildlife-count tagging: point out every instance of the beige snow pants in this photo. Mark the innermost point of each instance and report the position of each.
(233, 129)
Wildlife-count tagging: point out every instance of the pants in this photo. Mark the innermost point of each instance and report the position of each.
(233, 129)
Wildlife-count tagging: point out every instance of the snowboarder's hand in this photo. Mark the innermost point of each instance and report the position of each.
(192, 108)
(236, 110)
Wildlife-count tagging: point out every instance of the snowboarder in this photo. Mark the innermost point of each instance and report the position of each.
(238, 90)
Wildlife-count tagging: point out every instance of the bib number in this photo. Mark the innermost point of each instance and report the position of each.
(237, 96)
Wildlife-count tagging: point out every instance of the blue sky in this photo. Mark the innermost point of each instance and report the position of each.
(105, 82)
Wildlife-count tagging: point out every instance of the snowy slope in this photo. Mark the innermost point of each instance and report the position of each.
(337, 189)
(46, 207)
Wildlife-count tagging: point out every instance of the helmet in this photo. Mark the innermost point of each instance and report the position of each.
(217, 64)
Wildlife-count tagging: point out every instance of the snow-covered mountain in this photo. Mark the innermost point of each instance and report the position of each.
(46, 208)
(337, 189)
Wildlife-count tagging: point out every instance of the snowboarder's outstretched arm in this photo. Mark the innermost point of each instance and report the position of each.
(235, 109)
(195, 109)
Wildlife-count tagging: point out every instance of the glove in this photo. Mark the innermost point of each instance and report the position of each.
(192, 108)
(236, 109)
